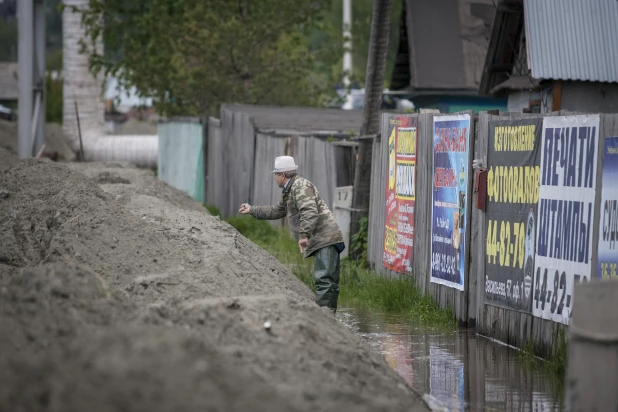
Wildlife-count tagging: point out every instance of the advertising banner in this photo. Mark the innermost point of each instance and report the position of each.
(608, 228)
(565, 213)
(400, 195)
(513, 174)
(451, 143)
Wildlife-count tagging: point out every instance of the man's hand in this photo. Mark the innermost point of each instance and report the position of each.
(302, 244)
(245, 209)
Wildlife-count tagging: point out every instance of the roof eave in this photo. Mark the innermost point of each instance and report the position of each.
(490, 67)
(436, 91)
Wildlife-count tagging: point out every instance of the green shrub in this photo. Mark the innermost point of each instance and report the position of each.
(359, 242)
(213, 210)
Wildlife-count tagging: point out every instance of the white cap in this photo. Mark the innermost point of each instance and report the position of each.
(284, 164)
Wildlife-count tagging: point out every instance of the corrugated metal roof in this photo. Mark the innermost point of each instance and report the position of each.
(572, 39)
(304, 120)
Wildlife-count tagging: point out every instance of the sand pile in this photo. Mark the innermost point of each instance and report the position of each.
(119, 292)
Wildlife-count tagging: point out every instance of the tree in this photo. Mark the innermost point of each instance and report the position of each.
(53, 32)
(376, 65)
(192, 55)
(361, 32)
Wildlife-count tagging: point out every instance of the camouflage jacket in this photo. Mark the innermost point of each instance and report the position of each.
(308, 215)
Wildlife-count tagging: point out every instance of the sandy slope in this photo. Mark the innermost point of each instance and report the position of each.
(118, 292)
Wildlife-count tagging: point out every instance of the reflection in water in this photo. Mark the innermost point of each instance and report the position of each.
(461, 370)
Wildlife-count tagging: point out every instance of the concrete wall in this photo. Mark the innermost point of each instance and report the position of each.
(584, 97)
(589, 97)
(520, 100)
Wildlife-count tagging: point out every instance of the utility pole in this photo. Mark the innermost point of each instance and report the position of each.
(347, 42)
(374, 83)
(31, 63)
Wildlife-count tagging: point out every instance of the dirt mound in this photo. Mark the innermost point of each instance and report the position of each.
(129, 236)
(55, 139)
(138, 181)
(141, 301)
(73, 347)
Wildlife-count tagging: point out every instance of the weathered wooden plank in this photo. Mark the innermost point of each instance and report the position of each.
(215, 162)
(376, 205)
(248, 148)
(322, 158)
(476, 274)
(424, 190)
(227, 125)
(263, 182)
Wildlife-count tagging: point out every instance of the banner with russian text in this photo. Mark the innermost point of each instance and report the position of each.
(513, 174)
(400, 195)
(565, 213)
(451, 145)
(608, 228)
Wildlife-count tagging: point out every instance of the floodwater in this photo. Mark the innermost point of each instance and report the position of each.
(459, 370)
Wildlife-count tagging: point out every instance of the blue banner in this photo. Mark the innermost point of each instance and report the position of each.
(451, 144)
(608, 228)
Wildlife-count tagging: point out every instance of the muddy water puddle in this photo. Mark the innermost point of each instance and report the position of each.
(459, 370)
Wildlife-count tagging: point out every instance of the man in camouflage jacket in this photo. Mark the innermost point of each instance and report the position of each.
(311, 223)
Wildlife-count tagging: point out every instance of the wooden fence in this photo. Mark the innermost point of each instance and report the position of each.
(241, 159)
(471, 306)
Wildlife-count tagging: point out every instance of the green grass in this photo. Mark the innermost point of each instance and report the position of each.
(554, 366)
(360, 287)
(364, 288)
(555, 362)
(213, 210)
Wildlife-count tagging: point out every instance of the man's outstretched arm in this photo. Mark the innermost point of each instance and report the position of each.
(275, 212)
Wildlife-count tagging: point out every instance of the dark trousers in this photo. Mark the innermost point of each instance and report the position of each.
(326, 265)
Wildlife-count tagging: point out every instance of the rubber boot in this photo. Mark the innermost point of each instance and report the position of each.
(326, 267)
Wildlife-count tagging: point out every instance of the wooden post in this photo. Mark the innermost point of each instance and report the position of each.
(376, 66)
(79, 131)
(556, 96)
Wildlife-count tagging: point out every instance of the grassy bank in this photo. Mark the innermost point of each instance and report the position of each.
(360, 287)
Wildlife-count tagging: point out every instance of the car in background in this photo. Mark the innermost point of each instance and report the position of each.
(6, 113)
